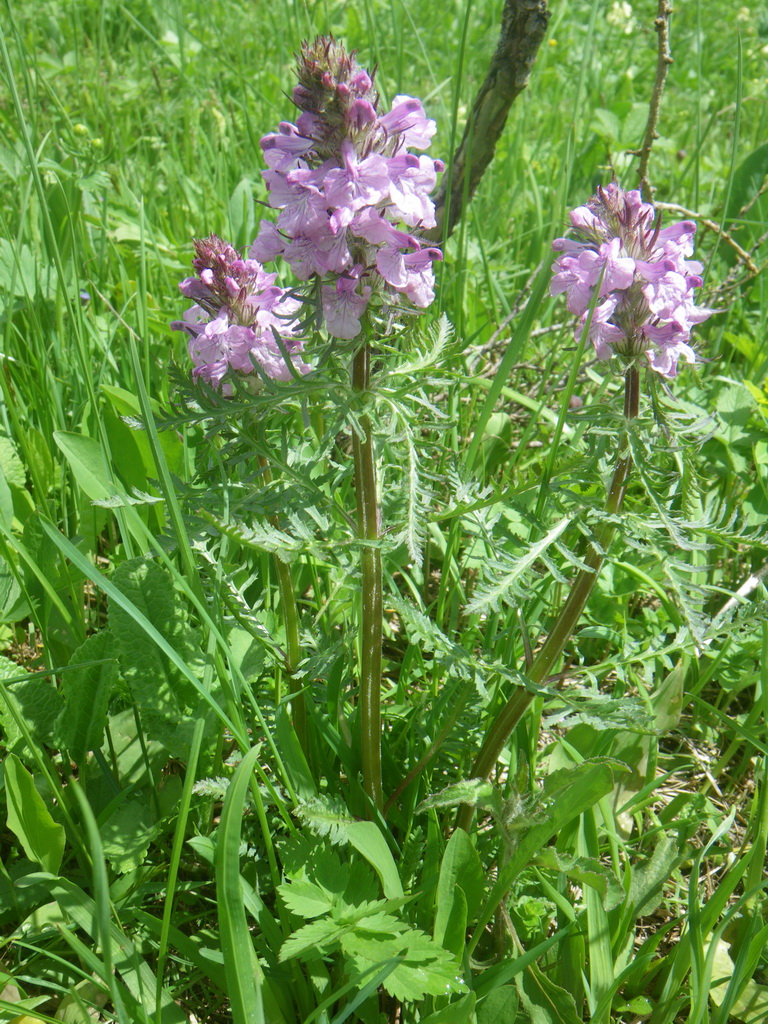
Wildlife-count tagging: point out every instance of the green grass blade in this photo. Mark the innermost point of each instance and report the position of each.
(244, 975)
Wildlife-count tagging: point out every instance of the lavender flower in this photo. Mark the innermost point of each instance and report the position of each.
(646, 302)
(238, 316)
(344, 179)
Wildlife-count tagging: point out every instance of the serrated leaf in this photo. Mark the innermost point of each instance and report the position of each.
(86, 690)
(305, 899)
(30, 820)
(314, 939)
(489, 596)
(425, 968)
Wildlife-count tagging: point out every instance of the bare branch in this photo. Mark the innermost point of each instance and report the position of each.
(742, 254)
(662, 67)
(523, 24)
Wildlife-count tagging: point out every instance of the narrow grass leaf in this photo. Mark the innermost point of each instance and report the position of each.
(244, 975)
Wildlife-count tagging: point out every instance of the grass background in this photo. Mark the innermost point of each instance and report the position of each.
(130, 128)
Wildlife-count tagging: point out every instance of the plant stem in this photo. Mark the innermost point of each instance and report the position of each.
(372, 604)
(570, 613)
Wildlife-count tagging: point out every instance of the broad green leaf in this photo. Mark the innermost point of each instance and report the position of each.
(127, 833)
(461, 866)
(18, 273)
(11, 600)
(165, 697)
(451, 930)
(41, 461)
(748, 180)
(87, 462)
(241, 211)
(6, 502)
(499, 1007)
(293, 756)
(30, 820)
(36, 702)
(459, 1012)
(545, 1002)
(645, 891)
(11, 466)
(86, 689)
(127, 404)
(368, 840)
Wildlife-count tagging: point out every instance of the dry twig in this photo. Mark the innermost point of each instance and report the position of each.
(662, 67)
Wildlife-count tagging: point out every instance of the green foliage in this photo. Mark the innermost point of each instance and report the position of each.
(157, 687)
(331, 895)
(30, 820)
(215, 867)
(86, 690)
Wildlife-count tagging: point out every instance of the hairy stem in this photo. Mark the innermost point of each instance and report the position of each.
(372, 601)
(570, 613)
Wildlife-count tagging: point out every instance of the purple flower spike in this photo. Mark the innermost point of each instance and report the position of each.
(238, 317)
(646, 304)
(344, 181)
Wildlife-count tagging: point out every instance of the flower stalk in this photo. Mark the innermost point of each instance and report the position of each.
(372, 600)
(571, 611)
(631, 282)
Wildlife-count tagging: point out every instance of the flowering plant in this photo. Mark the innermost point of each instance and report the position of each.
(241, 319)
(344, 181)
(645, 276)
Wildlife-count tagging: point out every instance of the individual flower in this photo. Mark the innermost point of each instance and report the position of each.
(344, 180)
(646, 304)
(241, 320)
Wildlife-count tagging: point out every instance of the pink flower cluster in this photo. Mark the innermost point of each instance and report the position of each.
(241, 319)
(646, 299)
(348, 190)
